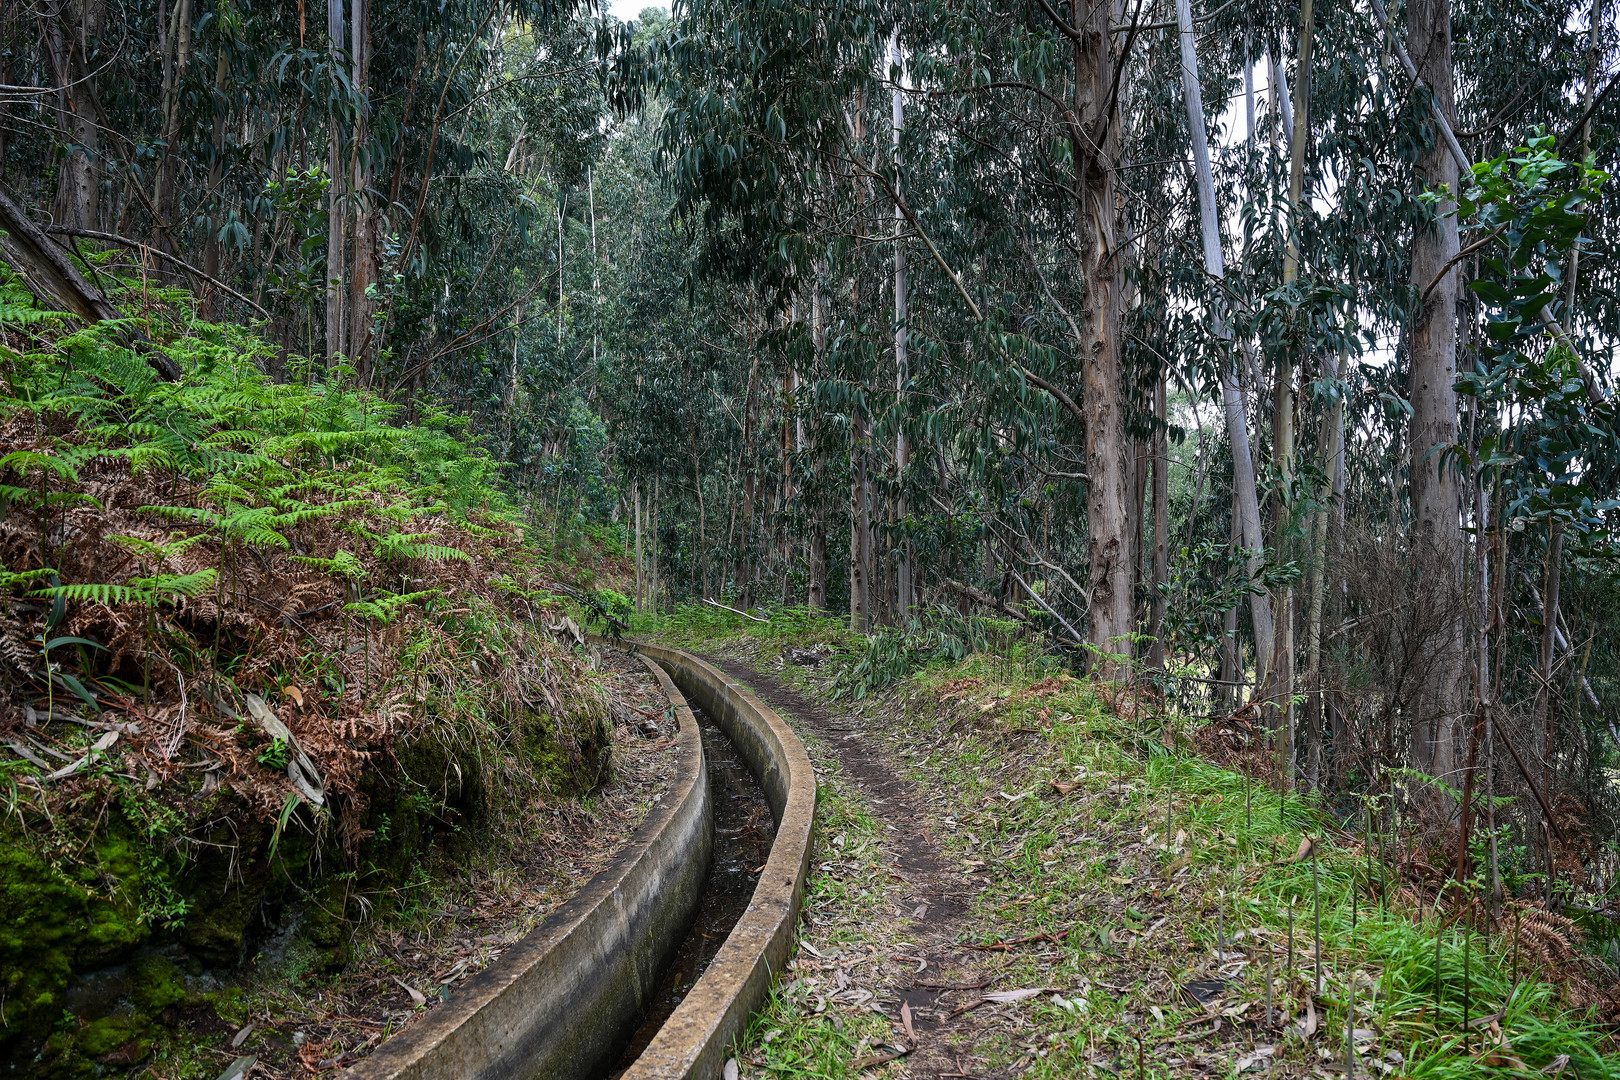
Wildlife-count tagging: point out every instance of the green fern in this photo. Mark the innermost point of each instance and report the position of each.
(32, 461)
(17, 309)
(385, 607)
(342, 563)
(396, 547)
(199, 514)
(301, 515)
(140, 590)
(10, 582)
(154, 550)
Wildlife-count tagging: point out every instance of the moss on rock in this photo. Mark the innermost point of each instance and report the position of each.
(157, 983)
(53, 924)
(568, 748)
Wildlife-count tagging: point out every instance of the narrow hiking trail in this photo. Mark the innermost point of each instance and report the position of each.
(926, 977)
(1030, 916)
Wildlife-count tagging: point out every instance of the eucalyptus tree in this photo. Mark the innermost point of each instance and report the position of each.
(220, 125)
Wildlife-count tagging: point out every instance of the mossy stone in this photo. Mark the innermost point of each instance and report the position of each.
(158, 984)
(112, 1034)
(569, 747)
(52, 925)
(327, 927)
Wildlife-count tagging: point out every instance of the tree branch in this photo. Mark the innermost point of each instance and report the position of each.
(49, 273)
(113, 238)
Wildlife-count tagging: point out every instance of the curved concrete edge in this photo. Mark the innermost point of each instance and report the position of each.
(696, 1039)
(562, 1001)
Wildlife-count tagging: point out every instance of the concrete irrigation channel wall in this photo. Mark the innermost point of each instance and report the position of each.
(561, 1003)
(694, 1041)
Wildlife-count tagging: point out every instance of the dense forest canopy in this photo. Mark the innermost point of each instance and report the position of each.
(1262, 354)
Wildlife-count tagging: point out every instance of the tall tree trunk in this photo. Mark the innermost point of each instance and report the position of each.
(336, 171)
(1436, 506)
(1549, 641)
(700, 567)
(1141, 457)
(509, 392)
(792, 444)
(750, 483)
(74, 31)
(1248, 78)
(363, 273)
(216, 176)
(596, 268)
(1108, 445)
(1333, 573)
(562, 210)
(1245, 497)
(902, 449)
(817, 588)
(640, 565)
(1284, 419)
(164, 193)
(1330, 437)
(1230, 693)
(9, 27)
(1593, 55)
(1283, 415)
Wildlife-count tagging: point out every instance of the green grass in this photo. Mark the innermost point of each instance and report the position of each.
(1101, 865)
(703, 624)
(790, 1036)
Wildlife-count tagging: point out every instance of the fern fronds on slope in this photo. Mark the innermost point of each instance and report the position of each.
(156, 589)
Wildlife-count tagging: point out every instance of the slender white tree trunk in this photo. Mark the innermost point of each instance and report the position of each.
(860, 531)
(363, 272)
(1283, 416)
(902, 447)
(1246, 498)
(1593, 56)
(1436, 498)
(817, 587)
(596, 266)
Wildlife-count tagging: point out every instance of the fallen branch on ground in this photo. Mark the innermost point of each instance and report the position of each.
(734, 611)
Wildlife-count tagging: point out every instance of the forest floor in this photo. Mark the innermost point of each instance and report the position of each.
(460, 913)
(1020, 873)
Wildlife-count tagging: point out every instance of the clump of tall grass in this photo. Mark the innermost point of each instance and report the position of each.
(1449, 999)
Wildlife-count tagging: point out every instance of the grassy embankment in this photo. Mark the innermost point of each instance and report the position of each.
(266, 646)
(1146, 868)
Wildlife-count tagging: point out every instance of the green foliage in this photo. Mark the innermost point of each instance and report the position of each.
(614, 605)
(139, 590)
(1562, 458)
(385, 607)
(894, 653)
(404, 547)
(344, 564)
(276, 755)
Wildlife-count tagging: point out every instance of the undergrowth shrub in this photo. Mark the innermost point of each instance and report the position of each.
(891, 653)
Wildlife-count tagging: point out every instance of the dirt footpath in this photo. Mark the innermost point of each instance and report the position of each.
(929, 974)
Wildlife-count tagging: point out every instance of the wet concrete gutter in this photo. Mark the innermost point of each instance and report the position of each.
(561, 1002)
(697, 1038)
